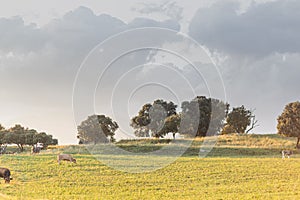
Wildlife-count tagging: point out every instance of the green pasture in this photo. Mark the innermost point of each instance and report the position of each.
(238, 167)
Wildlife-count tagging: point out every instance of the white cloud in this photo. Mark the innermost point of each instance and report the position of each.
(38, 66)
(165, 8)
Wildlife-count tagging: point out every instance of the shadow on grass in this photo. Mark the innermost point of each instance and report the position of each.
(222, 149)
(238, 152)
(193, 150)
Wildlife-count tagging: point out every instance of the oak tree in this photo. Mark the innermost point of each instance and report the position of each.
(289, 121)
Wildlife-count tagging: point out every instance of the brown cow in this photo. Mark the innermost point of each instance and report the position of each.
(66, 157)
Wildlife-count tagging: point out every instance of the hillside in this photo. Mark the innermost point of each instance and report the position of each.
(250, 164)
(268, 145)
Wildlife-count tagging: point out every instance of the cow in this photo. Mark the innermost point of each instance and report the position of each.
(5, 174)
(36, 149)
(66, 157)
(287, 153)
(3, 149)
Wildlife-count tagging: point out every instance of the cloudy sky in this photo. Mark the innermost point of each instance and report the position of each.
(63, 60)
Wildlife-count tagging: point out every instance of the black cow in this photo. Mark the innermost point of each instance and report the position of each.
(3, 149)
(36, 149)
(287, 153)
(5, 174)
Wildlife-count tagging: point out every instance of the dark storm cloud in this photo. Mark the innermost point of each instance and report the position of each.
(261, 30)
(261, 52)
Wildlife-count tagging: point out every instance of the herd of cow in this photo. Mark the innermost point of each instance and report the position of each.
(5, 173)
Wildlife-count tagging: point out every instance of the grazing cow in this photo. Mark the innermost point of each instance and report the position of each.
(3, 149)
(5, 174)
(287, 153)
(66, 157)
(36, 149)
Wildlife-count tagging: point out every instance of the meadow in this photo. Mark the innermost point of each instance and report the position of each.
(238, 167)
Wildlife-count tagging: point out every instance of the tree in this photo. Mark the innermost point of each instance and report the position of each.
(151, 118)
(45, 139)
(171, 125)
(227, 129)
(141, 121)
(202, 116)
(239, 119)
(289, 121)
(30, 137)
(16, 136)
(142, 131)
(20, 136)
(97, 129)
(54, 141)
(2, 135)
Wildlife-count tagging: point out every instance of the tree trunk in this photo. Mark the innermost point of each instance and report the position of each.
(19, 146)
(297, 145)
(253, 124)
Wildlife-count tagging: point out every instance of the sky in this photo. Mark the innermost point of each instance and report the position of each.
(61, 61)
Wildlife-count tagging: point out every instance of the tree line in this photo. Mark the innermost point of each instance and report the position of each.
(199, 117)
(24, 136)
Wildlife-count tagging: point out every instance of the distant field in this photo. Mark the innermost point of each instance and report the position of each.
(239, 167)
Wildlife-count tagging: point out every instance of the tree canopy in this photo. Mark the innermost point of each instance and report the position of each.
(2, 134)
(199, 117)
(97, 129)
(202, 116)
(23, 136)
(171, 125)
(151, 119)
(289, 121)
(238, 120)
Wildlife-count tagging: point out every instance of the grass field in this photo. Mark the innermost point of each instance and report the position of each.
(239, 167)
